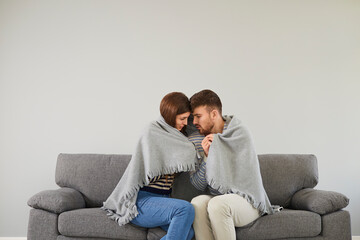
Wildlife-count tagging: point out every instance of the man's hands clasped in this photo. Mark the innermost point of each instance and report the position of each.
(206, 142)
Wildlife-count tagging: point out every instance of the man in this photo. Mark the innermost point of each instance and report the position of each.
(229, 168)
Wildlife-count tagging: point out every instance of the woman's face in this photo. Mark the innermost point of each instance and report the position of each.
(181, 120)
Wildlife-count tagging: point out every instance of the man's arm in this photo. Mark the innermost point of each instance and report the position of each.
(198, 178)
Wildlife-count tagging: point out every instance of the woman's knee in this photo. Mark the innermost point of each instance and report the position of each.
(191, 233)
(190, 210)
(187, 209)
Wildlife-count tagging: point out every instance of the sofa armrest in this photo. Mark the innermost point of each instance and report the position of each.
(57, 201)
(319, 201)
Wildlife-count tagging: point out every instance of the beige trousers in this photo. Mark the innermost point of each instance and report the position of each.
(217, 216)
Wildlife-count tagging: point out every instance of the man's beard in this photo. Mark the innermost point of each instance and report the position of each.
(204, 132)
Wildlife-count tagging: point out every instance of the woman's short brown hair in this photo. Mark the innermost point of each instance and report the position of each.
(173, 104)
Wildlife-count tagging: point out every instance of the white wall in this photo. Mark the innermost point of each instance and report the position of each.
(86, 76)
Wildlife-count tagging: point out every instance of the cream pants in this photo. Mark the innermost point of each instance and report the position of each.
(217, 216)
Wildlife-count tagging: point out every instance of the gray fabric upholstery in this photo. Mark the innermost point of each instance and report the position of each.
(93, 222)
(57, 201)
(155, 233)
(285, 224)
(336, 226)
(94, 175)
(312, 238)
(319, 201)
(60, 237)
(285, 174)
(42, 225)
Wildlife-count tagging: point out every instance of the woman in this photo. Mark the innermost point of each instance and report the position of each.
(142, 196)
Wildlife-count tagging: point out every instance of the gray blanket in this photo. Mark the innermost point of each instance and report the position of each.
(233, 166)
(161, 150)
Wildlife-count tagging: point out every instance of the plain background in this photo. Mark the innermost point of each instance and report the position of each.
(87, 76)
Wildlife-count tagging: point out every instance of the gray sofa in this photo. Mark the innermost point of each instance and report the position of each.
(72, 212)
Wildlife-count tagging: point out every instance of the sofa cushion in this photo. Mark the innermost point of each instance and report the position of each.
(94, 175)
(319, 201)
(155, 233)
(285, 224)
(285, 174)
(93, 222)
(61, 237)
(57, 201)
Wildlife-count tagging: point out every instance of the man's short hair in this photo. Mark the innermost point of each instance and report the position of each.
(206, 98)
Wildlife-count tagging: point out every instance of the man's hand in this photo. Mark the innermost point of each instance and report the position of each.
(206, 142)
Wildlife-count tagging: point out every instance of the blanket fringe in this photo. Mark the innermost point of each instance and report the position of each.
(170, 170)
(132, 211)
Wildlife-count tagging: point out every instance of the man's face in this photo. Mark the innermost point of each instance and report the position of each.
(202, 120)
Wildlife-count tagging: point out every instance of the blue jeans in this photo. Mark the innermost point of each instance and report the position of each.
(173, 215)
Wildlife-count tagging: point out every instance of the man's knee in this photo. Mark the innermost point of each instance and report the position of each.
(218, 207)
(200, 201)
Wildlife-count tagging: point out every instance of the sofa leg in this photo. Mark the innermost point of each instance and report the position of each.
(336, 226)
(43, 225)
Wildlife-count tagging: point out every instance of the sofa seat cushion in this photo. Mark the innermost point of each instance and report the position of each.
(93, 222)
(61, 237)
(285, 224)
(155, 233)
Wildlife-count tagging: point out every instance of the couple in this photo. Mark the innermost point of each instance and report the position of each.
(219, 155)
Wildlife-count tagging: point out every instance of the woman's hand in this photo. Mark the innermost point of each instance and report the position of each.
(206, 142)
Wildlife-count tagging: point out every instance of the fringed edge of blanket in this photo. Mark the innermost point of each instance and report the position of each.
(132, 210)
(120, 219)
(258, 205)
(171, 170)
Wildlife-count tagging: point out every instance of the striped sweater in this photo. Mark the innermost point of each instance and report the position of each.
(160, 184)
(198, 178)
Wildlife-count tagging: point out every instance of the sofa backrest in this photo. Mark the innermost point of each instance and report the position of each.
(285, 174)
(93, 175)
(96, 175)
